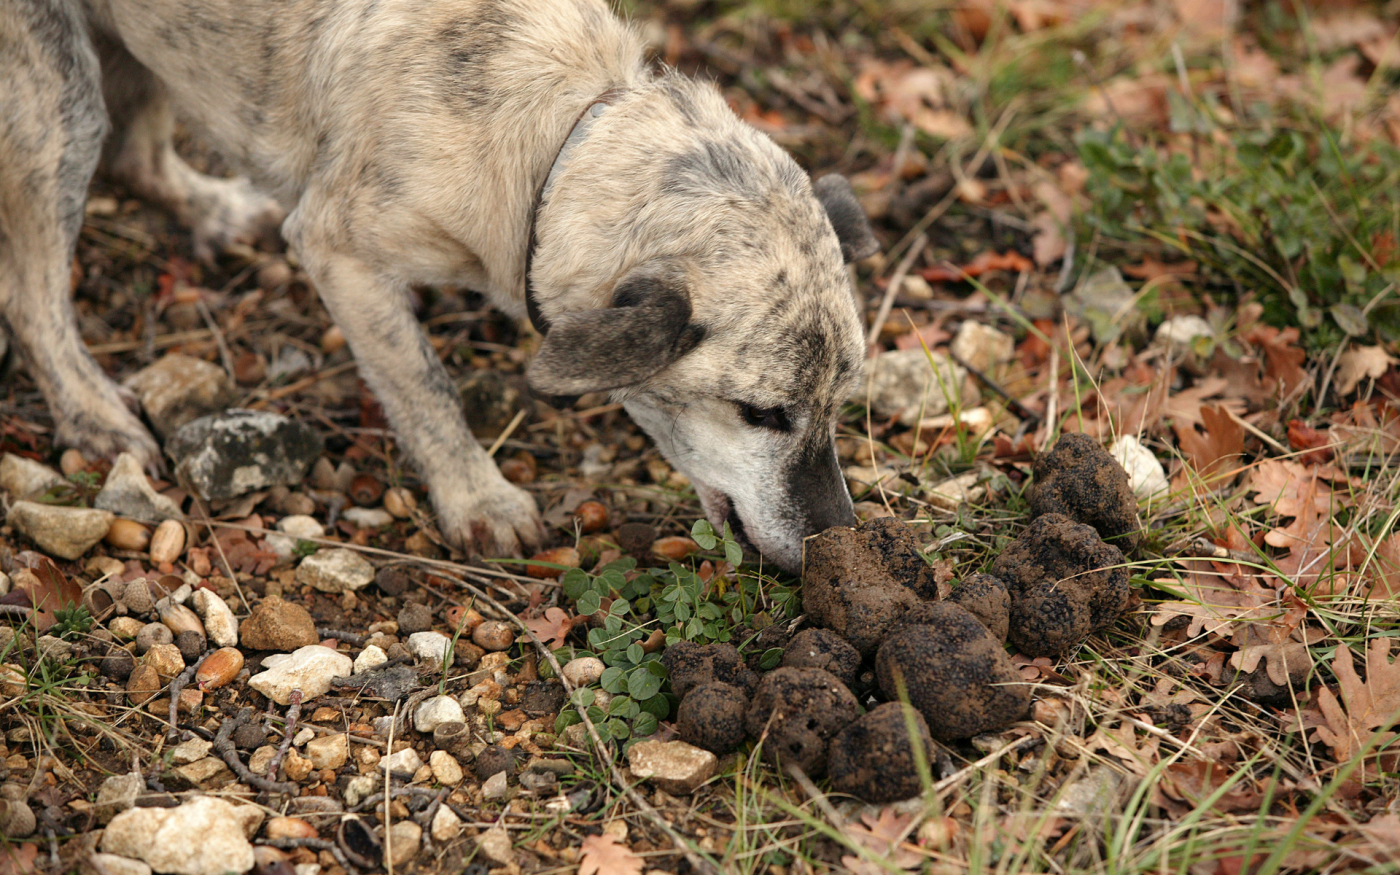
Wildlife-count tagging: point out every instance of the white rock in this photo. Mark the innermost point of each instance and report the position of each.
(371, 656)
(361, 788)
(404, 841)
(290, 530)
(328, 751)
(272, 660)
(1145, 472)
(128, 493)
(219, 622)
(335, 570)
(65, 532)
(904, 382)
(1181, 330)
(673, 766)
(583, 671)
(111, 864)
(367, 517)
(161, 837)
(305, 734)
(307, 869)
(405, 762)
(431, 646)
(496, 787)
(446, 770)
(4, 583)
(117, 794)
(308, 669)
(446, 825)
(187, 752)
(495, 845)
(982, 346)
(436, 711)
(23, 477)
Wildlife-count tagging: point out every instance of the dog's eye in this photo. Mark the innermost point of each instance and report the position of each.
(774, 418)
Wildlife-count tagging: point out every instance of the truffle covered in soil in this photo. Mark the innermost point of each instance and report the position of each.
(1078, 478)
(986, 598)
(691, 665)
(858, 581)
(873, 758)
(800, 709)
(712, 717)
(824, 649)
(1065, 583)
(953, 671)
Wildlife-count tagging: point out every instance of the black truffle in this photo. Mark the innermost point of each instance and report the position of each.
(873, 758)
(691, 665)
(712, 717)
(1078, 478)
(799, 709)
(824, 649)
(986, 598)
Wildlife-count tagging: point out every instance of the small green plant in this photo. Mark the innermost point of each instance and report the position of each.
(71, 621)
(305, 548)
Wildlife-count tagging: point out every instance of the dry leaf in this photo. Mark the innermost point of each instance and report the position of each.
(1188, 784)
(1219, 594)
(1214, 453)
(45, 589)
(1384, 835)
(602, 855)
(1361, 363)
(980, 264)
(1370, 705)
(1283, 359)
(882, 837)
(553, 627)
(18, 859)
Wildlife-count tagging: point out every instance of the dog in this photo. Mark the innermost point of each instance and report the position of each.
(667, 252)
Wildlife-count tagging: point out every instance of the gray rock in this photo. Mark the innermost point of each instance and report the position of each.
(308, 669)
(161, 838)
(23, 477)
(128, 493)
(1107, 303)
(436, 711)
(117, 794)
(179, 389)
(65, 532)
(335, 569)
(904, 383)
(237, 451)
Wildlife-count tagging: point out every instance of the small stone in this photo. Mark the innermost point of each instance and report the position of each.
(903, 383)
(583, 671)
(280, 625)
(151, 635)
(496, 787)
(23, 477)
(126, 627)
(1181, 331)
(296, 766)
(117, 794)
(415, 618)
(128, 493)
(361, 788)
(208, 773)
(328, 751)
(494, 635)
(289, 828)
(65, 532)
(290, 531)
(237, 451)
(160, 838)
(370, 657)
(261, 759)
(982, 346)
(366, 517)
(429, 646)
(309, 669)
(218, 618)
(673, 766)
(180, 388)
(112, 864)
(187, 752)
(436, 711)
(336, 569)
(495, 845)
(446, 825)
(1145, 473)
(403, 842)
(405, 762)
(446, 770)
(166, 659)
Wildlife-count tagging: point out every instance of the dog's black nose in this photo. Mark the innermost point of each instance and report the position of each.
(815, 485)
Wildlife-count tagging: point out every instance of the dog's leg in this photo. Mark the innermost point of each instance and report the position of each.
(140, 155)
(478, 510)
(50, 138)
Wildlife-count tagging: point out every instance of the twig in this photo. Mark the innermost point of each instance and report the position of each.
(293, 713)
(341, 635)
(223, 744)
(509, 430)
(893, 288)
(176, 687)
(218, 333)
(388, 809)
(293, 388)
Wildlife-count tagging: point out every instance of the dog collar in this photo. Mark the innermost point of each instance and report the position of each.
(577, 135)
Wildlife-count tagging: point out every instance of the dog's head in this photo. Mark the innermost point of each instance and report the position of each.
(733, 335)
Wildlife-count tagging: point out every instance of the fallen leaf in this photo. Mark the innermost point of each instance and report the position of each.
(1283, 359)
(1383, 832)
(18, 859)
(1302, 436)
(1217, 596)
(46, 590)
(603, 855)
(1371, 705)
(882, 836)
(1192, 783)
(1361, 363)
(1213, 453)
(553, 627)
(980, 264)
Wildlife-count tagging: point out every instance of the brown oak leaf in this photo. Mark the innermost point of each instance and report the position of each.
(45, 590)
(1366, 706)
(553, 627)
(603, 855)
(885, 837)
(1214, 453)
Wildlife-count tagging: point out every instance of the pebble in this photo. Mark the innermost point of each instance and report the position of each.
(328, 751)
(207, 773)
(4, 583)
(494, 635)
(166, 660)
(112, 864)
(415, 618)
(673, 766)
(179, 388)
(367, 517)
(404, 840)
(128, 493)
(446, 770)
(583, 671)
(430, 646)
(276, 624)
(219, 622)
(370, 657)
(308, 669)
(496, 787)
(1145, 472)
(290, 530)
(159, 837)
(336, 569)
(261, 759)
(126, 627)
(436, 711)
(188, 751)
(446, 825)
(296, 766)
(238, 451)
(405, 762)
(23, 477)
(982, 346)
(117, 794)
(495, 845)
(289, 828)
(65, 532)
(361, 788)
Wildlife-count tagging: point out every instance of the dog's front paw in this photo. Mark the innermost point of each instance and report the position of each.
(492, 521)
(106, 430)
(232, 212)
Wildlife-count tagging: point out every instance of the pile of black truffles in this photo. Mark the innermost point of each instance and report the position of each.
(874, 599)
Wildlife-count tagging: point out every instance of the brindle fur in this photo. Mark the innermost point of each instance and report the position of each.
(684, 261)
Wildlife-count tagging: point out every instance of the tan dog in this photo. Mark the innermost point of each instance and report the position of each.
(676, 257)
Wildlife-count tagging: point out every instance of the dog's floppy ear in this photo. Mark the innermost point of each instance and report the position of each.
(647, 328)
(852, 228)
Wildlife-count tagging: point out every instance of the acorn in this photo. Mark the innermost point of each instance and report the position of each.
(128, 534)
(168, 542)
(565, 556)
(591, 516)
(366, 490)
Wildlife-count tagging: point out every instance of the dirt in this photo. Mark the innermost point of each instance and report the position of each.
(1079, 479)
(873, 758)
